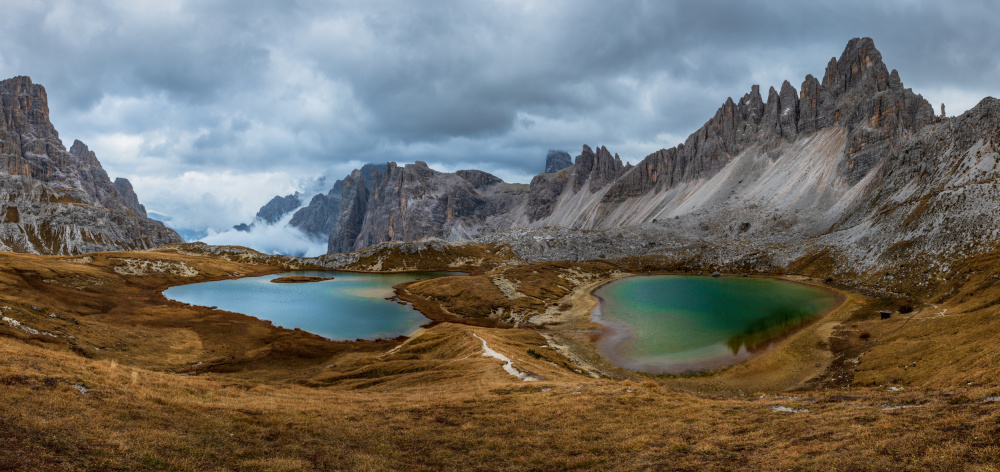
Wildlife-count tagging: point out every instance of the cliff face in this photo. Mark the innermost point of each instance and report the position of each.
(128, 196)
(855, 164)
(278, 207)
(320, 217)
(556, 161)
(858, 97)
(273, 210)
(407, 203)
(57, 201)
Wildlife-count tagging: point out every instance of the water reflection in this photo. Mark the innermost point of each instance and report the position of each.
(661, 324)
(761, 333)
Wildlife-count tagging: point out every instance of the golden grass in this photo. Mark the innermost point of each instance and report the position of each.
(175, 387)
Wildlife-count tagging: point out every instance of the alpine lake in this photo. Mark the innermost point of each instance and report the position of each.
(348, 307)
(668, 324)
(656, 324)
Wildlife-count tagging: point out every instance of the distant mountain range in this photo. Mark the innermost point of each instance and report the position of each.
(56, 201)
(855, 164)
(855, 168)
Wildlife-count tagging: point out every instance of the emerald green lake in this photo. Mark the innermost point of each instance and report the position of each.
(676, 324)
(351, 306)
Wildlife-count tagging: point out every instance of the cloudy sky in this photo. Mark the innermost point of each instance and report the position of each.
(211, 108)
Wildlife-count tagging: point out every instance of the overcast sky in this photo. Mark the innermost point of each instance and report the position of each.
(211, 108)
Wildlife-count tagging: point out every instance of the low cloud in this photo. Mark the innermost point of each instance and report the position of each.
(279, 238)
(193, 201)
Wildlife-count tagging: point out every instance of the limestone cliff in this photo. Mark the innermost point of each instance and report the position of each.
(411, 202)
(128, 196)
(855, 165)
(273, 210)
(57, 201)
(320, 217)
(278, 207)
(858, 97)
(556, 161)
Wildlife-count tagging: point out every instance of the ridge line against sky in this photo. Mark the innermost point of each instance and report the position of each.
(212, 108)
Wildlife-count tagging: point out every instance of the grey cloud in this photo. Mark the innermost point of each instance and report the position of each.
(304, 87)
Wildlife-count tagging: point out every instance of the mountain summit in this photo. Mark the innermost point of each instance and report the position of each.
(853, 165)
(57, 201)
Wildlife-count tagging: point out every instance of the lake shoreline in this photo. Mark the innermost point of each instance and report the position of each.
(747, 331)
(299, 279)
(790, 363)
(354, 306)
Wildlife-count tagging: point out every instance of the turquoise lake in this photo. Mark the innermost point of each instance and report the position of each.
(676, 324)
(351, 306)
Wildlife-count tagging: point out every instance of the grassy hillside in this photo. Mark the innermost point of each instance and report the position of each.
(131, 381)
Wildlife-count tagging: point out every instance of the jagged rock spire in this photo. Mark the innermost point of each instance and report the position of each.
(64, 200)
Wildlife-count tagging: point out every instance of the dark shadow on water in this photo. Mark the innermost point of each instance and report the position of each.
(760, 333)
(764, 332)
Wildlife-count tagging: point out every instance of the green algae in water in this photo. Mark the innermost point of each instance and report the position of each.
(351, 306)
(676, 324)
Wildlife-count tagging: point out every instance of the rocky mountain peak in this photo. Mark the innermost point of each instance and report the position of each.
(128, 196)
(556, 161)
(418, 170)
(815, 106)
(83, 154)
(788, 99)
(599, 168)
(859, 64)
(478, 178)
(857, 93)
(751, 105)
(64, 200)
(319, 218)
(278, 207)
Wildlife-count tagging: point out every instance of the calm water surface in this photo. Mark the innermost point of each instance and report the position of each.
(674, 324)
(352, 306)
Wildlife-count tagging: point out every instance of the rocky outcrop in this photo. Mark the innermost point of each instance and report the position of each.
(556, 161)
(59, 201)
(319, 218)
(407, 203)
(272, 211)
(544, 193)
(128, 196)
(596, 169)
(278, 207)
(879, 114)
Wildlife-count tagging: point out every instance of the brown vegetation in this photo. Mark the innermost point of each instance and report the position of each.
(170, 386)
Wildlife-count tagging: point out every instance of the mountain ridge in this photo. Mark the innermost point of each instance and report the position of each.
(60, 201)
(799, 167)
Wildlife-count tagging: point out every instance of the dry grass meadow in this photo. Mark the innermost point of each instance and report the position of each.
(122, 379)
